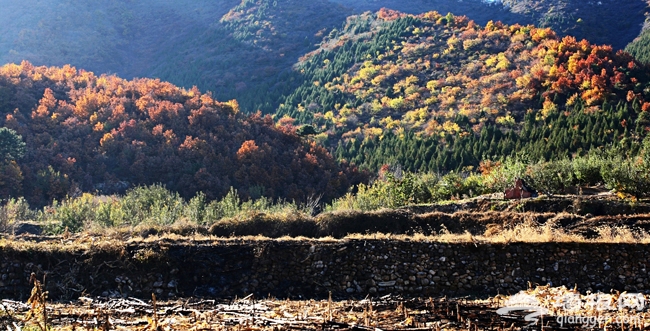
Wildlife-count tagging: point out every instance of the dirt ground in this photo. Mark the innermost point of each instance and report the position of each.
(386, 313)
(249, 313)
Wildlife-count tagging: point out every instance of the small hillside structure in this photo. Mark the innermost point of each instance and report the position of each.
(519, 191)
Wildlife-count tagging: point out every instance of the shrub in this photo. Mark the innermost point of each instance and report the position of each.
(551, 177)
(503, 175)
(230, 205)
(457, 185)
(151, 204)
(586, 169)
(626, 175)
(18, 210)
(72, 214)
(15, 211)
(389, 191)
(195, 211)
(109, 212)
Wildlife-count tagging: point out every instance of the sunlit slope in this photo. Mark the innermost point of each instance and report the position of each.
(612, 22)
(86, 133)
(466, 91)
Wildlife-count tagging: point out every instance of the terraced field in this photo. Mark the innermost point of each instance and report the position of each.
(457, 270)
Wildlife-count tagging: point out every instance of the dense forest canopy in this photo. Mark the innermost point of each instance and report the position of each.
(84, 132)
(640, 47)
(459, 92)
(426, 90)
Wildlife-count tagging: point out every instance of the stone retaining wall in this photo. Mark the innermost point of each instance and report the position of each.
(311, 269)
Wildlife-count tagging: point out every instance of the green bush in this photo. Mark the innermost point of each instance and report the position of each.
(456, 186)
(72, 214)
(587, 169)
(503, 176)
(15, 211)
(392, 192)
(551, 177)
(627, 176)
(109, 212)
(195, 210)
(231, 206)
(389, 191)
(152, 204)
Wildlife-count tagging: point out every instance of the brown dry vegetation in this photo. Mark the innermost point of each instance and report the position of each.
(269, 314)
(600, 219)
(566, 218)
(250, 313)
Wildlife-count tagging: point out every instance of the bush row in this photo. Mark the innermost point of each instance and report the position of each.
(153, 205)
(157, 206)
(612, 169)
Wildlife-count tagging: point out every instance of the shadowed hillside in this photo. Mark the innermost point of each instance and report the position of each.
(214, 45)
(245, 49)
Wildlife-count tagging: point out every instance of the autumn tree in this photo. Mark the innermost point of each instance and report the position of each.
(107, 134)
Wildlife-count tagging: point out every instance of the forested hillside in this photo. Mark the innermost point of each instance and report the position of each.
(244, 49)
(640, 47)
(611, 22)
(437, 92)
(234, 49)
(429, 91)
(101, 133)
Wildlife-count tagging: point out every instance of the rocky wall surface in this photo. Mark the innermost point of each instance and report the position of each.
(311, 269)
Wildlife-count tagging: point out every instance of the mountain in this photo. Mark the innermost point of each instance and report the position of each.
(611, 22)
(245, 49)
(101, 133)
(640, 47)
(437, 92)
(424, 89)
(123, 37)
(234, 49)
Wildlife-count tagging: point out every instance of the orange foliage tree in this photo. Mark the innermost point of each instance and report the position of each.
(106, 134)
